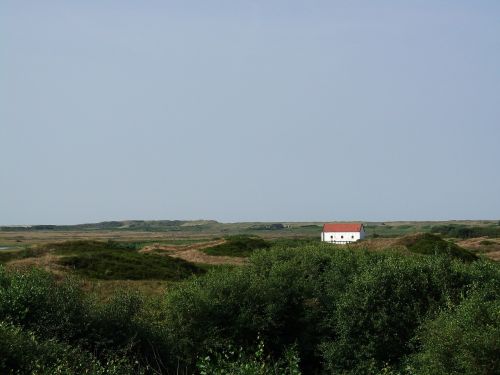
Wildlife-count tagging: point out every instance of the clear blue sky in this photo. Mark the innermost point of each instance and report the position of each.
(249, 110)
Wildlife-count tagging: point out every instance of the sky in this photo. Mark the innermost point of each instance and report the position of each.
(257, 110)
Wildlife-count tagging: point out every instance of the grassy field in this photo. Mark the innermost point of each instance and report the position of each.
(197, 230)
(132, 255)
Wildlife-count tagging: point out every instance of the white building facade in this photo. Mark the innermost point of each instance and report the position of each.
(342, 233)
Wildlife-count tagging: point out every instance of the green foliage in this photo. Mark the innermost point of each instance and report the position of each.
(87, 246)
(238, 246)
(111, 260)
(350, 310)
(122, 328)
(37, 302)
(462, 231)
(294, 242)
(9, 255)
(64, 248)
(383, 306)
(127, 326)
(464, 339)
(130, 265)
(312, 309)
(130, 225)
(384, 230)
(239, 362)
(268, 226)
(430, 244)
(279, 296)
(22, 352)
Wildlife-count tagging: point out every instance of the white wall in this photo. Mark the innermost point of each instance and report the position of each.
(342, 237)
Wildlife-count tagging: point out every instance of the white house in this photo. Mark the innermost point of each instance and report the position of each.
(342, 233)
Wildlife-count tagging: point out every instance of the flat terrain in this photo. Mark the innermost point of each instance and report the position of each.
(175, 232)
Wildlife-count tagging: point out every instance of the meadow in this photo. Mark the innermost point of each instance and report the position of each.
(250, 298)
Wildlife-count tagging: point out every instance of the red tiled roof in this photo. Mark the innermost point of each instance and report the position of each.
(342, 227)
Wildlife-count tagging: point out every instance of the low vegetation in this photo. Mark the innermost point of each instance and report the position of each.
(9, 255)
(464, 231)
(110, 260)
(426, 243)
(130, 265)
(297, 310)
(238, 246)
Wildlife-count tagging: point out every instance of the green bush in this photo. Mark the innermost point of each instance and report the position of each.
(350, 311)
(342, 310)
(125, 325)
(238, 246)
(462, 231)
(464, 339)
(383, 306)
(130, 265)
(121, 328)
(9, 255)
(286, 296)
(233, 361)
(87, 246)
(23, 353)
(35, 301)
(430, 244)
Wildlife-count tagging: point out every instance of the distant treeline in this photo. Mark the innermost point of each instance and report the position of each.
(27, 228)
(273, 226)
(158, 225)
(462, 231)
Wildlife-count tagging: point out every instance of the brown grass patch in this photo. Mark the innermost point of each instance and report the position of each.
(106, 289)
(192, 253)
(379, 244)
(47, 261)
(476, 245)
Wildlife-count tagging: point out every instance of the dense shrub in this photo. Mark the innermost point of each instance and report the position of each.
(9, 255)
(430, 244)
(279, 297)
(326, 309)
(125, 325)
(87, 246)
(238, 246)
(233, 307)
(464, 339)
(130, 265)
(35, 301)
(121, 328)
(382, 307)
(462, 231)
(233, 361)
(22, 353)
(353, 311)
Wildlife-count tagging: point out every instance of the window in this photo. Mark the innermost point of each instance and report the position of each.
(352, 236)
(341, 236)
(331, 237)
